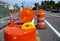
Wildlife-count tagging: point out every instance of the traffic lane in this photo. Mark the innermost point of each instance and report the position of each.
(2, 30)
(1, 35)
(48, 34)
(54, 21)
(6, 22)
(49, 12)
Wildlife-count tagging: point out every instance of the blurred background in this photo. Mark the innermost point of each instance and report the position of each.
(48, 5)
(51, 16)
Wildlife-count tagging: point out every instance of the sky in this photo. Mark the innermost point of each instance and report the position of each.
(25, 2)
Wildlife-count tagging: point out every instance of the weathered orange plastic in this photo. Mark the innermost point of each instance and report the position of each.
(16, 34)
(26, 15)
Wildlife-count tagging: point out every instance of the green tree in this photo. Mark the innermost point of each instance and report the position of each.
(36, 4)
(17, 7)
(44, 4)
(52, 4)
(58, 5)
(48, 4)
(0, 0)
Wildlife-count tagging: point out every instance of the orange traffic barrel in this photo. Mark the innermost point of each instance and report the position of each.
(16, 34)
(40, 19)
(26, 15)
(24, 31)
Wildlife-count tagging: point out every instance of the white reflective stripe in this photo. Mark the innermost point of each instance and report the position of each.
(40, 18)
(41, 23)
(33, 21)
(56, 32)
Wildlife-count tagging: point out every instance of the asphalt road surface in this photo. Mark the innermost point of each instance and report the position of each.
(6, 20)
(52, 31)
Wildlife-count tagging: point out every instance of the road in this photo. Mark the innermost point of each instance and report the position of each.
(50, 34)
(6, 20)
(52, 31)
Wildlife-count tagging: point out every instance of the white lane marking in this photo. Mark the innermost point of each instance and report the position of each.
(57, 33)
(54, 15)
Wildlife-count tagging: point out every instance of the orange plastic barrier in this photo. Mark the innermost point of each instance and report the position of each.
(26, 15)
(16, 34)
(40, 19)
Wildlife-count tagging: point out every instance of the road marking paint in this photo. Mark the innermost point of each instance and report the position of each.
(38, 38)
(54, 15)
(37, 32)
(57, 33)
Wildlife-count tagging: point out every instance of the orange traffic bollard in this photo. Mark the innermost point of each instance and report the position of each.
(11, 20)
(40, 19)
(26, 15)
